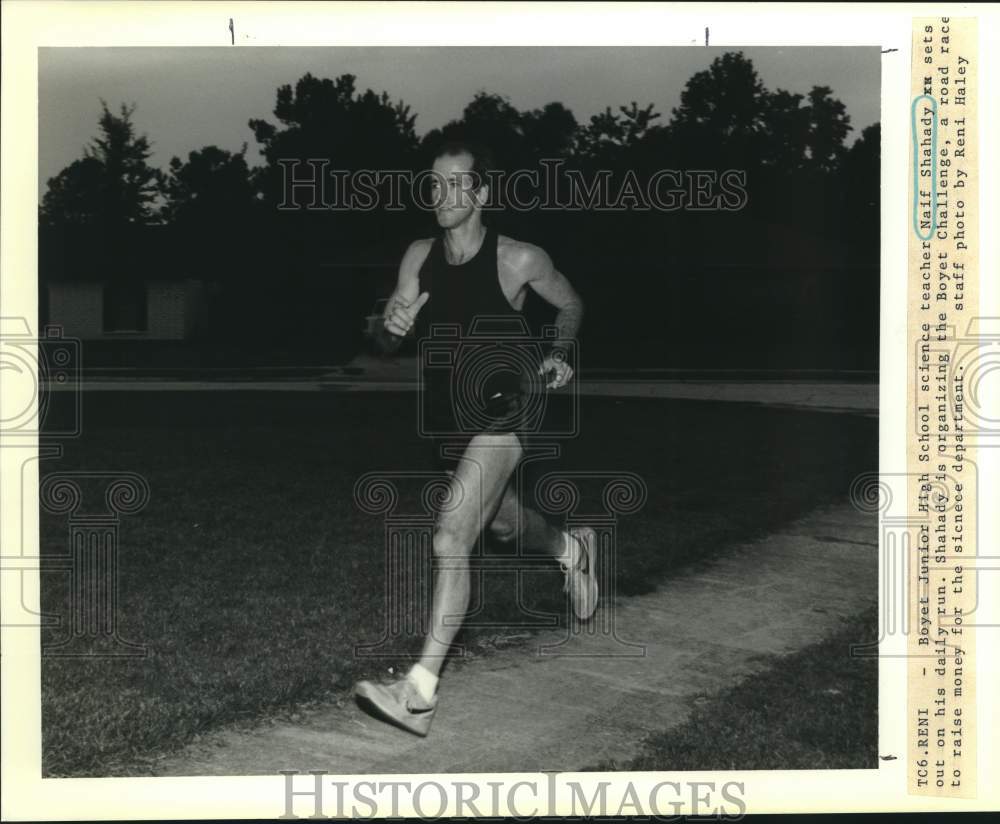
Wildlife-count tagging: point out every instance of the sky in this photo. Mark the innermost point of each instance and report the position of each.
(188, 98)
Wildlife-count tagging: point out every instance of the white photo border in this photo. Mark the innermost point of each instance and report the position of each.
(30, 25)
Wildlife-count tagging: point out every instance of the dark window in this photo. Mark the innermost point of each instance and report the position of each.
(125, 307)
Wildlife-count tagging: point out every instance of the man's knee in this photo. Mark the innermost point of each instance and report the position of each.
(508, 442)
(503, 531)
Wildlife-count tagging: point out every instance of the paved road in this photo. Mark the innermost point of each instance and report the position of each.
(569, 701)
(819, 396)
(817, 390)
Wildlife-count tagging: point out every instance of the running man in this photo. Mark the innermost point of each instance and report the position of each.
(470, 271)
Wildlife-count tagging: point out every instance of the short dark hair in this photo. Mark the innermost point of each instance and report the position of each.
(482, 157)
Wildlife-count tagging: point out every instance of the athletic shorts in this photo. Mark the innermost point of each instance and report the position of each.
(502, 416)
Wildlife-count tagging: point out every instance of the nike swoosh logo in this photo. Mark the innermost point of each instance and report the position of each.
(418, 710)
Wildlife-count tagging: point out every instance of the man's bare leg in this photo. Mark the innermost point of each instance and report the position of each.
(478, 483)
(477, 486)
(515, 521)
(575, 550)
(479, 489)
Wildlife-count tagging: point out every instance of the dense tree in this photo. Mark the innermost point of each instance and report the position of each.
(214, 214)
(862, 202)
(721, 117)
(518, 140)
(212, 187)
(328, 119)
(550, 132)
(490, 120)
(73, 195)
(829, 124)
(787, 125)
(112, 185)
(313, 280)
(613, 138)
(728, 115)
(96, 212)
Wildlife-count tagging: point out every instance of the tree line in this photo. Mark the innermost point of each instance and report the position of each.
(791, 275)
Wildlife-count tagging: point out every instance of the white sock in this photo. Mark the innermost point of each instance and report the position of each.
(424, 680)
(571, 551)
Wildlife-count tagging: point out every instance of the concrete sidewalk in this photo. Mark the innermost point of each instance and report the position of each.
(568, 701)
(859, 398)
(818, 390)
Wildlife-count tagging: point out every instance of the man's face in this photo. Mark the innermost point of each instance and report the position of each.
(451, 189)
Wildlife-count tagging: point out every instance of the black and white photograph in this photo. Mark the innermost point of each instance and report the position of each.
(477, 409)
(459, 409)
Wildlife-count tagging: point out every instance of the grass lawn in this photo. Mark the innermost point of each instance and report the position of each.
(816, 709)
(251, 575)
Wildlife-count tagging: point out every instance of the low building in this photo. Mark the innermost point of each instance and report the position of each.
(147, 309)
(134, 288)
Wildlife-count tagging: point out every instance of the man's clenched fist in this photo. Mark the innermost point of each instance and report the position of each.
(556, 372)
(400, 313)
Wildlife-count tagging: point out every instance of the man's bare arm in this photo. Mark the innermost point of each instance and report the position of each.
(543, 277)
(407, 287)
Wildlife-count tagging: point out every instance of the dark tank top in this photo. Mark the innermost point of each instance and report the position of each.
(470, 360)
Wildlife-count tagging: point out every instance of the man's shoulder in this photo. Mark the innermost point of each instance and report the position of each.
(420, 247)
(416, 253)
(526, 259)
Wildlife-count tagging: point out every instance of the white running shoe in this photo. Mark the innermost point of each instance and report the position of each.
(399, 703)
(581, 581)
